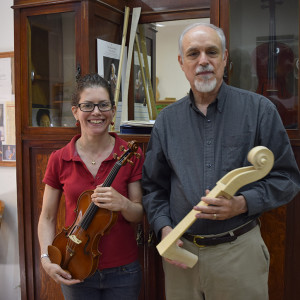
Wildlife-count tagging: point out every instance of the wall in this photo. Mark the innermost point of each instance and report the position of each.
(172, 82)
(9, 249)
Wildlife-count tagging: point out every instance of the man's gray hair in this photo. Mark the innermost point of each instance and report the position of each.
(217, 29)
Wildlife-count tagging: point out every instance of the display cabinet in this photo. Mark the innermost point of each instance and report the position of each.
(263, 44)
(55, 41)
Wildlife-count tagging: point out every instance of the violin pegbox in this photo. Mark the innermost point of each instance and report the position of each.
(128, 153)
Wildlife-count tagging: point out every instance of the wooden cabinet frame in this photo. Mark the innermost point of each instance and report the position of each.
(93, 19)
(280, 228)
(35, 144)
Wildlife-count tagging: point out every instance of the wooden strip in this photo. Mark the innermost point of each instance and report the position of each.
(134, 23)
(117, 91)
(148, 76)
(143, 76)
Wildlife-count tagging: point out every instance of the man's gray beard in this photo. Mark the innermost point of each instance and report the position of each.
(205, 86)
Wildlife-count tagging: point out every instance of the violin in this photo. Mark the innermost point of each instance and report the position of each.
(274, 62)
(75, 249)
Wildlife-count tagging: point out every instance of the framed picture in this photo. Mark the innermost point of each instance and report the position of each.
(8, 152)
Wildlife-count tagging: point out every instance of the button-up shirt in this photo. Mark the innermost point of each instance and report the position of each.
(189, 152)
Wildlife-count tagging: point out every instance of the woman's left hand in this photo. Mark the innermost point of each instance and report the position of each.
(109, 198)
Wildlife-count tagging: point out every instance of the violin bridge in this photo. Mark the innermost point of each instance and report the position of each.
(75, 239)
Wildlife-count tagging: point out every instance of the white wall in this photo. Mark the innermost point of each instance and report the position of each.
(9, 249)
(172, 81)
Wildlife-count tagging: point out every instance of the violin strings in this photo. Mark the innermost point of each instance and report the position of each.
(92, 209)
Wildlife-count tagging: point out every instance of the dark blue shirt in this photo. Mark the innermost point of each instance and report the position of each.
(189, 152)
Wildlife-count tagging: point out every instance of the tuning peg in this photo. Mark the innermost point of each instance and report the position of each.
(137, 155)
(130, 162)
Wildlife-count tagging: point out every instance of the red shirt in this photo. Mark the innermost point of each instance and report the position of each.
(67, 172)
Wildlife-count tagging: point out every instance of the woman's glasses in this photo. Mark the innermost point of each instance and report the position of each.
(89, 107)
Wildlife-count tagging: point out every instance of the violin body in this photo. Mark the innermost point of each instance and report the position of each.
(76, 249)
(274, 64)
(272, 69)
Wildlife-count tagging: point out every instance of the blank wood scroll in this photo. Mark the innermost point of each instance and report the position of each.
(262, 160)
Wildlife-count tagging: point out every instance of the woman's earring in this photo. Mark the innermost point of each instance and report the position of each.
(112, 123)
(77, 123)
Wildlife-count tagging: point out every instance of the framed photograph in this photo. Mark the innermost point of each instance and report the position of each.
(8, 152)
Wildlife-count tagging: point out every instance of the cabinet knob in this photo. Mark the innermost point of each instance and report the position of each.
(296, 68)
(32, 75)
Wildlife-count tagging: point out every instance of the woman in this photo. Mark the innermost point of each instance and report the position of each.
(83, 165)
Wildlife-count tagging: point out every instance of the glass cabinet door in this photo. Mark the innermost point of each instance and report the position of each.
(264, 47)
(51, 67)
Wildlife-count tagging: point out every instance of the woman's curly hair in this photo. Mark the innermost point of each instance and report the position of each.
(89, 81)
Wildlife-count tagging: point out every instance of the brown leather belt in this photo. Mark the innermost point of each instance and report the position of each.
(203, 241)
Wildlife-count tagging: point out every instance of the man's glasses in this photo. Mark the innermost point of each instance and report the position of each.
(89, 107)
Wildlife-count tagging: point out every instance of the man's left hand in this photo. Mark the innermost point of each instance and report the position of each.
(221, 208)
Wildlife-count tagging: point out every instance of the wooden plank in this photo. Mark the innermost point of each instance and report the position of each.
(134, 22)
(117, 91)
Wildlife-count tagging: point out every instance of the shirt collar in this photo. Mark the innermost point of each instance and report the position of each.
(70, 152)
(222, 95)
(220, 100)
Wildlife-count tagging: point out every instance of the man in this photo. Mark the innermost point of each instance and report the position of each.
(194, 143)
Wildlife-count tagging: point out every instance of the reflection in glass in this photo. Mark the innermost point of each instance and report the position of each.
(51, 67)
(43, 118)
(264, 52)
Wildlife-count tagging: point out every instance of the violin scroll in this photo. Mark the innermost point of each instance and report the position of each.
(132, 150)
(261, 158)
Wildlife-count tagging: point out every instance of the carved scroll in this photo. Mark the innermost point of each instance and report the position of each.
(262, 160)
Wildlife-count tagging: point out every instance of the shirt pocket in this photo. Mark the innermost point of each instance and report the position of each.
(234, 151)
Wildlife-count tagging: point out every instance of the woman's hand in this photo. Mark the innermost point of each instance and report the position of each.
(57, 273)
(131, 208)
(109, 198)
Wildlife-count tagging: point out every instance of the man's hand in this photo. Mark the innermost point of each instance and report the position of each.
(221, 208)
(164, 232)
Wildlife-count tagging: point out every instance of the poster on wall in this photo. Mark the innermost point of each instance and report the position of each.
(140, 105)
(108, 56)
(7, 109)
(5, 77)
(7, 130)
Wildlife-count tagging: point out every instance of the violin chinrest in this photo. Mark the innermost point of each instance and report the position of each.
(54, 254)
